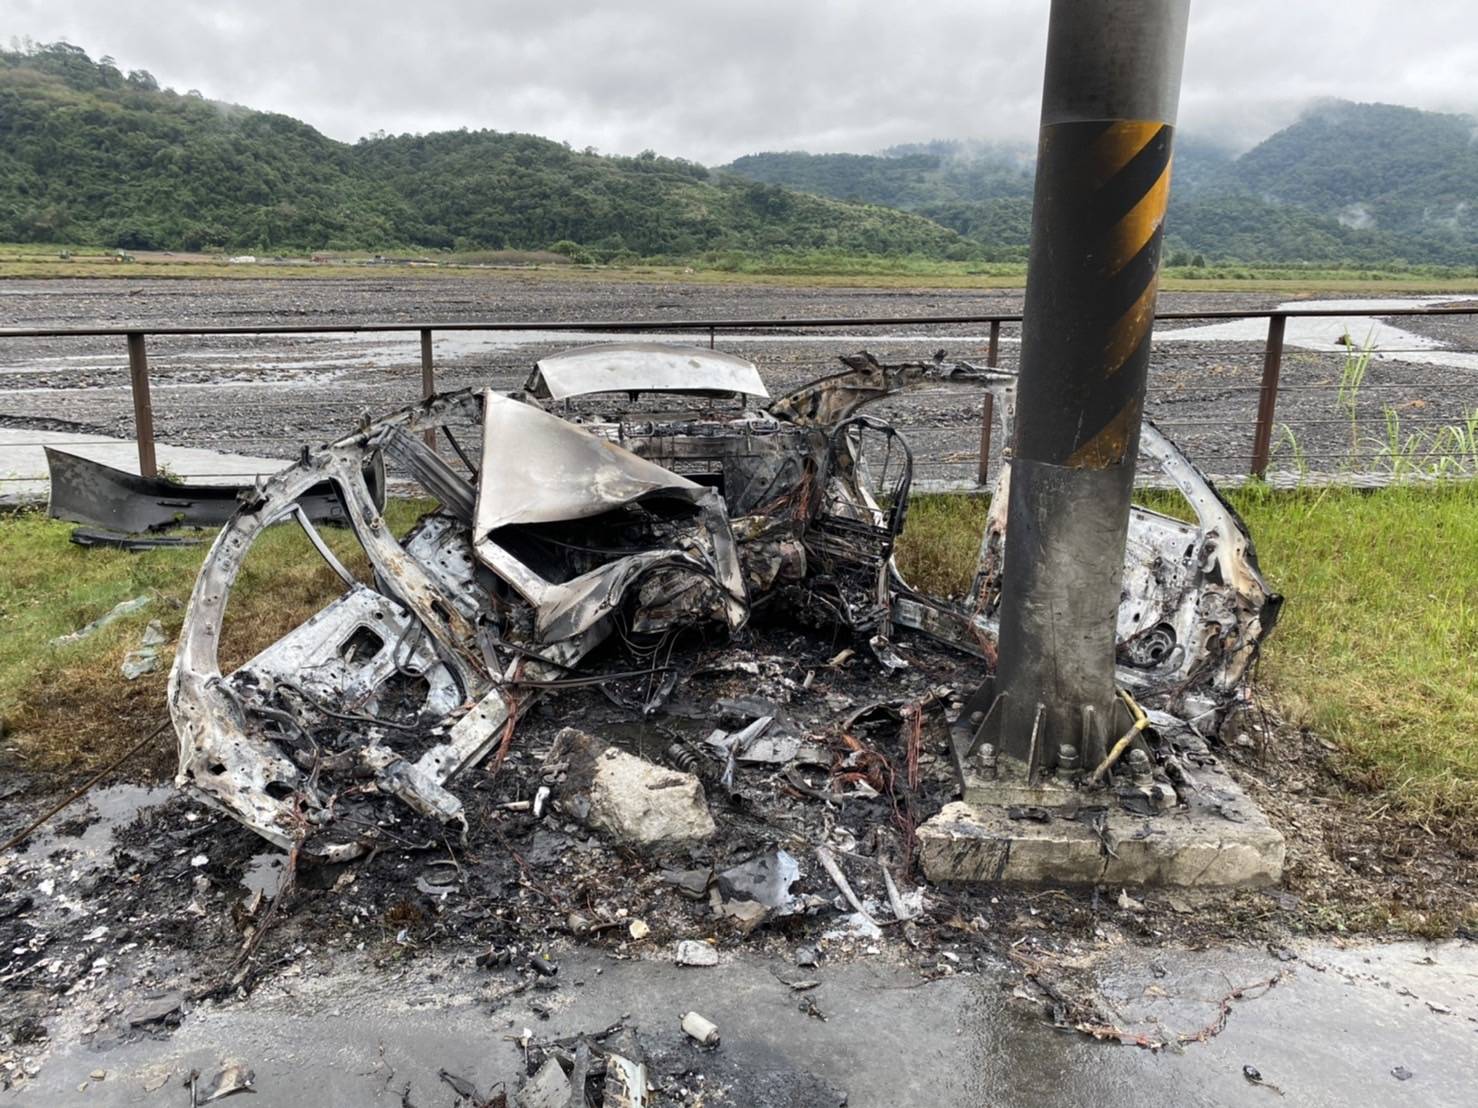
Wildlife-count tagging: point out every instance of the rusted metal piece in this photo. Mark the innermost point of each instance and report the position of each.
(988, 406)
(1267, 396)
(987, 417)
(143, 408)
(428, 379)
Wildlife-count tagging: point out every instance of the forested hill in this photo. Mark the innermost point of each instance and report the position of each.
(1347, 182)
(1408, 172)
(92, 155)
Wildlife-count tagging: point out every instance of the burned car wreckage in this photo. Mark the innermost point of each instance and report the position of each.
(585, 519)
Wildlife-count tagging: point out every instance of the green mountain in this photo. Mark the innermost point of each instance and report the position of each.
(1410, 174)
(1363, 183)
(95, 156)
(911, 177)
(91, 155)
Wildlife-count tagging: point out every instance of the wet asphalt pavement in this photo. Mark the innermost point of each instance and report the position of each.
(1368, 1025)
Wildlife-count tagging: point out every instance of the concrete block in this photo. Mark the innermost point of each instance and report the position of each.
(633, 801)
(1198, 847)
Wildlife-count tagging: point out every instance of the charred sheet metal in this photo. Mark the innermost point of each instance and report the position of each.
(828, 401)
(89, 492)
(403, 681)
(541, 474)
(1193, 608)
(628, 527)
(122, 540)
(639, 367)
(541, 469)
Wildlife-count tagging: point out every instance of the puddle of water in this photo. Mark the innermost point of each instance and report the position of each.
(1326, 335)
(264, 874)
(110, 808)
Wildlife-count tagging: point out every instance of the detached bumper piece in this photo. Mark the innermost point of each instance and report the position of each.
(123, 503)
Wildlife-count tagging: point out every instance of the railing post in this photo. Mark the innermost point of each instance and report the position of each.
(711, 333)
(987, 417)
(428, 379)
(1267, 397)
(988, 407)
(143, 410)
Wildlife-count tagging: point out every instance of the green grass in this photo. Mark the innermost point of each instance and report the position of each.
(1377, 647)
(781, 268)
(941, 542)
(67, 706)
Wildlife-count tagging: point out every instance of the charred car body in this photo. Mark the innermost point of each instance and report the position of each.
(581, 522)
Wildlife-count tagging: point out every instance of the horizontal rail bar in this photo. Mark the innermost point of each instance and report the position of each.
(627, 325)
(1177, 392)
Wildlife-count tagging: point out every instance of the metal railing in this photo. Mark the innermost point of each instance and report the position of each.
(1268, 389)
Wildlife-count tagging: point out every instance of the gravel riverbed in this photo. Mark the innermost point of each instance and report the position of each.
(267, 395)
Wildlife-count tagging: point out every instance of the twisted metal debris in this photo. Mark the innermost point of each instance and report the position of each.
(582, 522)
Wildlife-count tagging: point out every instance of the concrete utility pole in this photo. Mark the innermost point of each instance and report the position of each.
(1103, 179)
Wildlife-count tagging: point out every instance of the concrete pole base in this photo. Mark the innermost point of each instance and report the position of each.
(1058, 836)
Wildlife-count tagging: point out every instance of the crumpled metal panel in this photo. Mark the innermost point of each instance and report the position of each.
(1194, 606)
(644, 367)
(571, 531)
(344, 655)
(421, 674)
(87, 491)
(538, 468)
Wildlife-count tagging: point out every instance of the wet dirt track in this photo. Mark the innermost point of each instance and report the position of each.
(267, 395)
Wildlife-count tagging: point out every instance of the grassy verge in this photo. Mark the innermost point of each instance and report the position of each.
(1377, 650)
(781, 270)
(66, 706)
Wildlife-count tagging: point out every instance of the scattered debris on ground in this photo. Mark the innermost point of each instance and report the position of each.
(119, 610)
(679, 720)
(144, 658)
(591, 542)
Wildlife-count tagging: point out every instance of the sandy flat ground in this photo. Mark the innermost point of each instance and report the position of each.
(266, 395)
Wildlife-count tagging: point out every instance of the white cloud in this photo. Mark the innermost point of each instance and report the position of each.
(711, 80)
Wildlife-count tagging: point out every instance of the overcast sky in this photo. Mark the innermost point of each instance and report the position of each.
(711, 81)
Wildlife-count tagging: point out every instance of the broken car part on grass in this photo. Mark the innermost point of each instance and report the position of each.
(130, 508)
(632, 501)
